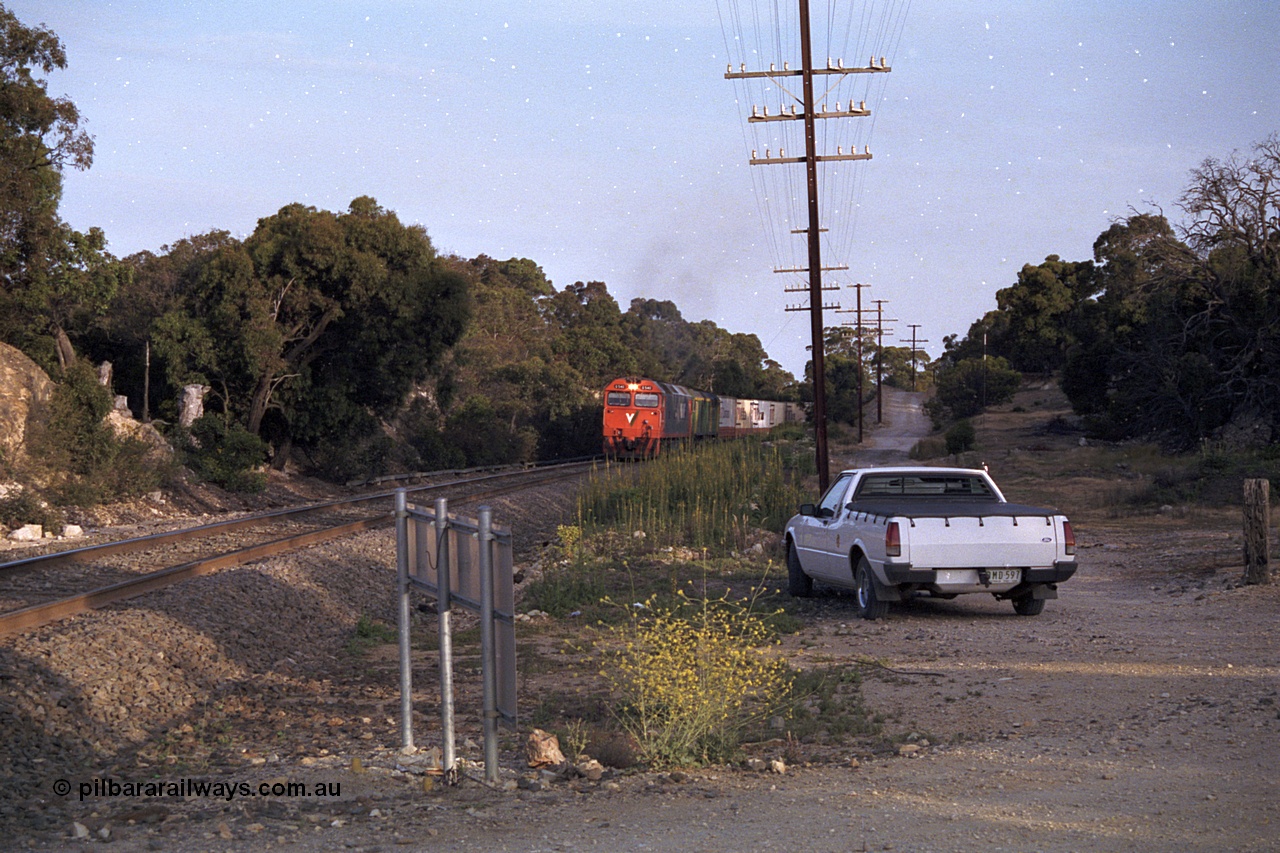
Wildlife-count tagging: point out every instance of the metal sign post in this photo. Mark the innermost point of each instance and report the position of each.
(470, 563)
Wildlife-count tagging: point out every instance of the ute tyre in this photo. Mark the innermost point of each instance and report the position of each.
(870, 606)
(1028, 606)
(799, 585)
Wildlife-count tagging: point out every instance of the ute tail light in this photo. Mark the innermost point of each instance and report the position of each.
(1068, 538)
(892, 540)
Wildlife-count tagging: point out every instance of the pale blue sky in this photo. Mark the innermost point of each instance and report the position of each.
(602, 141)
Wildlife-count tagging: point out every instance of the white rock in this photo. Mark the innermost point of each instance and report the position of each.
(72, 531)
(27, 533)
(591, 769)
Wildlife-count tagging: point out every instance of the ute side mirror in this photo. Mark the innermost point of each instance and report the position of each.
(806, 509)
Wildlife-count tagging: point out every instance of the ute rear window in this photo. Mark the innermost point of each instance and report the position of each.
(873, 486)
(618, 398)
(646, 401)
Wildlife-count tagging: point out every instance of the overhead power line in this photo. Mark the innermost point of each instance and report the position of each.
(777, 110)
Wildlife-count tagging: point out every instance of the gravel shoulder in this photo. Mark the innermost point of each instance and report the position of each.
(1140, 711)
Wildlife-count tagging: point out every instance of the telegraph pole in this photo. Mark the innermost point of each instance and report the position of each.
(811, 159)
(880, 356)
(914, 343)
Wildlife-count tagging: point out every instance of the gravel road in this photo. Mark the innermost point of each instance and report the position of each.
(1140, 711)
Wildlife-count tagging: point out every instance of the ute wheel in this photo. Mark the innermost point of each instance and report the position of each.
(869, 604)
(1028, 605)
(799, 585)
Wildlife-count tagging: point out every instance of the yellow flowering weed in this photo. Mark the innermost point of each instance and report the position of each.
(691, 678)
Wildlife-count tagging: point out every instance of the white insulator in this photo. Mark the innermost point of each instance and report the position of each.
(862, 105)
(839, 150)
(786, 66)
(840, 63)
(753, 154)
(772, 67)
(882, 62)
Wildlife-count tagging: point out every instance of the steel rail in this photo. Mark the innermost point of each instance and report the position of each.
(38, 615)
(140, 543)
(42, 614)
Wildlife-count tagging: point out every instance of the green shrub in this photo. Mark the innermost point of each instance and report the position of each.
(224, 454)
(370, 632)
(960, 437)
(356, 458)
(929, 448)
(26, 507)
(86, 462)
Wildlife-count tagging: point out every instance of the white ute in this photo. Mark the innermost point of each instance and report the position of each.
(892, 533)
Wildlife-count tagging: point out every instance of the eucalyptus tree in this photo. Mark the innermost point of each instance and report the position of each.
(316, 324)
(54, 281)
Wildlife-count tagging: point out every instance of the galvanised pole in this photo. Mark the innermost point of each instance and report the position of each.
(444, 625)
(488, 646)
(403, 624)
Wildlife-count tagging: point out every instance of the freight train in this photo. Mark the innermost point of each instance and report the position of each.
(642, 416)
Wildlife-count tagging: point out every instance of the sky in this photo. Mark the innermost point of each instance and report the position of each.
(603, 141)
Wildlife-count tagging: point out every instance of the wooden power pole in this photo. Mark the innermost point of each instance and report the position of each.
(915, 342)
(858, 348)
(811, 159)
(880, 321)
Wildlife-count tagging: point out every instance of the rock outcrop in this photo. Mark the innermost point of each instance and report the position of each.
(23, 385)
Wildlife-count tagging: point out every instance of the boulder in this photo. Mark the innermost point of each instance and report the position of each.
(122, 423)
(542, 749)
(28, 533)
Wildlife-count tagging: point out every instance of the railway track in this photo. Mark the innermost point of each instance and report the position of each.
(39, 590)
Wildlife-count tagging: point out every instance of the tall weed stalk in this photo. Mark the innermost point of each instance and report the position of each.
(711, 497)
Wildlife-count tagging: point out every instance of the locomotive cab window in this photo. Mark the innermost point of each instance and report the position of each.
(618, 398)
(646, 401)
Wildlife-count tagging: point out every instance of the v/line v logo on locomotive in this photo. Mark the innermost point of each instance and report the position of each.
(641, 416)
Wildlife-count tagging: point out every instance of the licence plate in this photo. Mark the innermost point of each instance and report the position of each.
(1004, 575)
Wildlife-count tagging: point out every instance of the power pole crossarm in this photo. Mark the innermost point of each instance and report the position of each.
(768, 160)
(787, 71)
